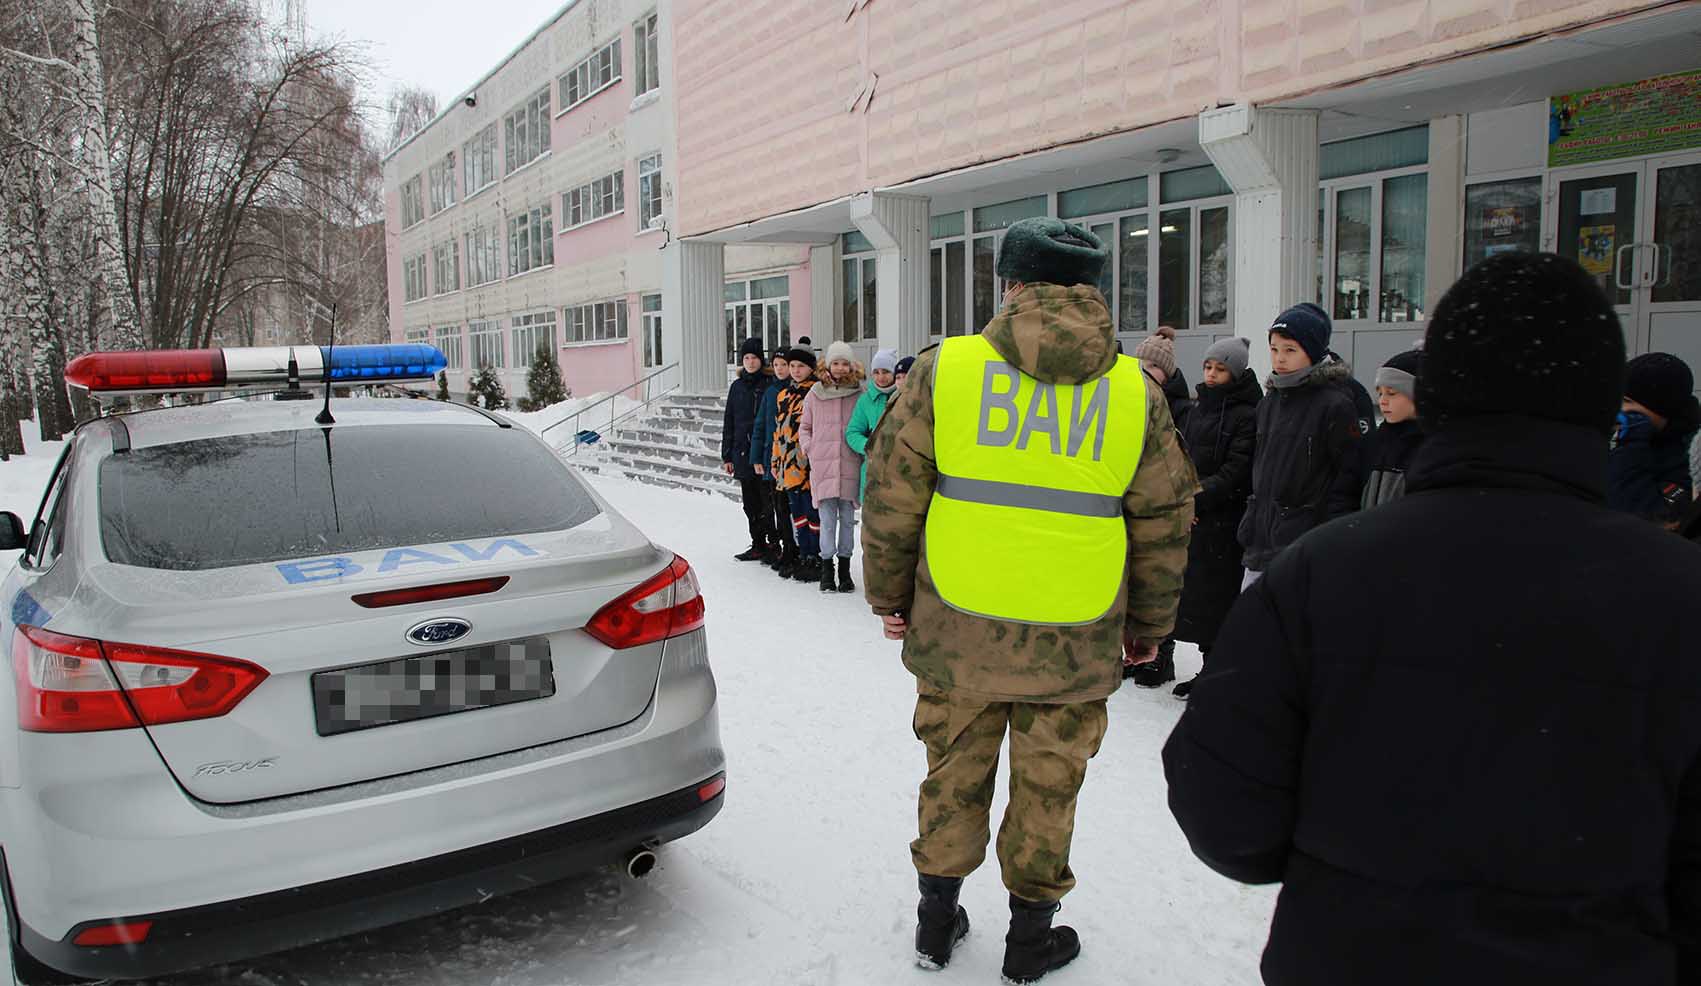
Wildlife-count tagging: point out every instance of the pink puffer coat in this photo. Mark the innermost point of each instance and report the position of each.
(834, 470)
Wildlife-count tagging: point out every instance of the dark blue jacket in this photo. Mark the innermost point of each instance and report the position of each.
(1648, 471)
(767, 419)
(742, 401)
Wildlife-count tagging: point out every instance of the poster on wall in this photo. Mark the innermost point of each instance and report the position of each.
(1595, 248)
(1649, 117)
(1503, 228)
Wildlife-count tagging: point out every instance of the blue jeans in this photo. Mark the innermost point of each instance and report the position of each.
(838, 527)
(805, 523)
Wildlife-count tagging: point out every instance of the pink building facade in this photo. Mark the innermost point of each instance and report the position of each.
(1236, 155)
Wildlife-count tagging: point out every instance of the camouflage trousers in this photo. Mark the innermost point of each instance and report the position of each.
(1049, 749)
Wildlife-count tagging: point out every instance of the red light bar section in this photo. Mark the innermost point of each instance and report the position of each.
(714, 787)
(430, 593)
(127, 933)
(147, 370)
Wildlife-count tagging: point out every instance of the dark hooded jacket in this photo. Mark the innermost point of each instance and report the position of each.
(1648, 471)
(1497, 780)
(743, 399)
(767, 421)
(1387, 454)
(1306, 471)
(1221, 435)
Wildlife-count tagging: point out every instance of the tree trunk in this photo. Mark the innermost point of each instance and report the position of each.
(117, 326)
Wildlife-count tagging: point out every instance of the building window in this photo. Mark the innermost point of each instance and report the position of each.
(449, 343)
(594, 200)
(486, 339)
(413, 278)
(644, 40)
(446, 267)
(526, 132)
(1502, 216)
(531, 332)
(478, 160)
(441, 179)
(760, 308)
(484, 256)
(651, 326)
(417, 336)
(413, 202)
(531, 240)
(600, 321)
(591, 76)
(649, 191)
(1373, 244)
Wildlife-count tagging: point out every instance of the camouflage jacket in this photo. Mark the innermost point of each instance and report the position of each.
(1059, 335)
(790, 466)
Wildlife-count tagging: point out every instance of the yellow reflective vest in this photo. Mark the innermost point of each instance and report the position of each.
(1026, 522)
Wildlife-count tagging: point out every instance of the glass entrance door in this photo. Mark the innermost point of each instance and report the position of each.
(1595, 224)
(1671, 313)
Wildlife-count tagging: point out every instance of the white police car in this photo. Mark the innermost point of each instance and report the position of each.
(277, 678)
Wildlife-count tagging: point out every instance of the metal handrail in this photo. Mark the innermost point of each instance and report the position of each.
(650, 397)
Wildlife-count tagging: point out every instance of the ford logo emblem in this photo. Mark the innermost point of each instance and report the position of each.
(439, 631)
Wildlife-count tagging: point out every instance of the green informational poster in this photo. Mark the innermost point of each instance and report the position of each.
(1649, 117)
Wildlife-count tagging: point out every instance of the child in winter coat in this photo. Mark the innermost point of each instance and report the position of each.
(903, 370)
(791, 464)
(1388, 452)
(834, 467)
(784, 556)
(1308, 435)
(1648, 469)
(743, 407)
(1156, 354)
(883, 382)
(1220, 434)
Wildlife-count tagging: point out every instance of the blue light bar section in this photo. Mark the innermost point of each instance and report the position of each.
(400, 361)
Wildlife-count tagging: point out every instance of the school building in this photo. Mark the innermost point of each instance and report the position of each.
(846, 168)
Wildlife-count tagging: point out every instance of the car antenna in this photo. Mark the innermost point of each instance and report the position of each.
(324, 417)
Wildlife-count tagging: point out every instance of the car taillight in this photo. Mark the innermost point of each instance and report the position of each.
(72, 684)
(668, 605)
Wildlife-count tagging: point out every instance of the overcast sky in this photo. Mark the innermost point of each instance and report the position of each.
(443, 45)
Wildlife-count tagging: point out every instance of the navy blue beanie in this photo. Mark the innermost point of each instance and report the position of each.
(1308, 325)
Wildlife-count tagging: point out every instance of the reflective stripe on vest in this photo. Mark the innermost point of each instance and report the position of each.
(1026, 522)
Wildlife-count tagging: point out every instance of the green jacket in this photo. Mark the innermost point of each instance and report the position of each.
(869, 407)
(1059, 335)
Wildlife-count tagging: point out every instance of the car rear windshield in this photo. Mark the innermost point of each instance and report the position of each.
(249, 499)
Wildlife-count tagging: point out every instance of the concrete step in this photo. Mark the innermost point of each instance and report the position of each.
(671, 482)
(692, 441)
(693, 423)
(694, 402)
(639, 461)
(673, 454)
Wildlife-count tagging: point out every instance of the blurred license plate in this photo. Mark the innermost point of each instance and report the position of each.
(430, 685)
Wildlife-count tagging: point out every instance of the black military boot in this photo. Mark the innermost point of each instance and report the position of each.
(940, 923)
(787, 568)
(827, 584)
(1155, 673)
(808, 569)
(1033, 947)
(845, 583)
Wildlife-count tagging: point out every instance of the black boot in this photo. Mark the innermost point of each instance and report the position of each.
(787, 568)
(1033, 947)
(808, 569)
(755, 552)
(1186, 688)
(940, 923)
(827, 584)
(774, 555)
(845, 583)
(1157, 672)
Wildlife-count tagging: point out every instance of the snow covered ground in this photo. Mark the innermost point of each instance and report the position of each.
(804, 879)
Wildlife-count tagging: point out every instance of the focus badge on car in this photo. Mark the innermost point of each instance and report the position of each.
(433, 632)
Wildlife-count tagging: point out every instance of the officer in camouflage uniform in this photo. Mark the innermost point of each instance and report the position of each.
(979, 677)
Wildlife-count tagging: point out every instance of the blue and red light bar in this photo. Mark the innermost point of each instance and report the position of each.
(162, 371)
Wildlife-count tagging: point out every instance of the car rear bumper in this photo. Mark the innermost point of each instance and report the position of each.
(231, 930)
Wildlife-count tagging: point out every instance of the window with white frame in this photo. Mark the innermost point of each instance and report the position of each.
(649, 190)
(441, 179)
(413, 278)
(484, 256)
(600, 321)
(759, 307)
(1372, 216)
(526, 132)
(449, 343)
(446, 267)
(532, 331)
(531, 240)
(413, 201)
(485, 340)
(478, 160)
(858, 288)
(591, 76)
(417, 335)
(647, 49)
(606, 196)
(651, 326)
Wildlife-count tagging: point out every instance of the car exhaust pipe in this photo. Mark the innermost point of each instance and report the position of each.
(639, 862)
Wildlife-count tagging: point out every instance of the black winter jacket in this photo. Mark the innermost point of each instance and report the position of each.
(1179, 397)
(1220, 434)
(1306, 471)
(742, 399)
(1387, 455)
(1479, 766)
(1648, 472)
